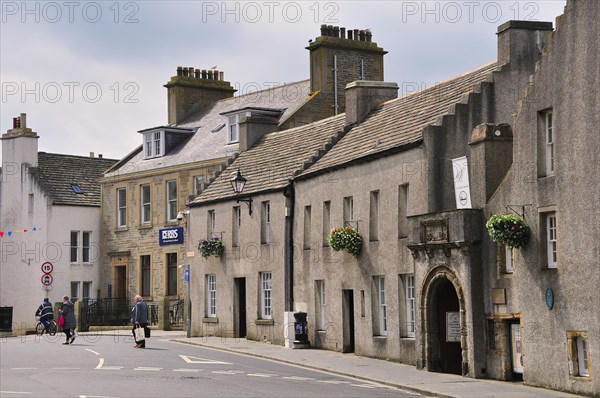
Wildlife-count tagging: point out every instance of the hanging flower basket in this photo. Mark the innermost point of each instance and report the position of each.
(211, 247)
(346, 238)
(510, 230)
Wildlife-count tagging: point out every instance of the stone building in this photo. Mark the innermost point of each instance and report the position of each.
(50, 213)
(414, 293)
(147, 190)
(542, 301)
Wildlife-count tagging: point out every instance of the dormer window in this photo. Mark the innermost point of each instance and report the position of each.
(154, 144)
(159, 141)
(233, 129)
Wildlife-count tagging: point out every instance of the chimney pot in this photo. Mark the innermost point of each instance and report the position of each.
(210, 74)
(184, 72)
(91, 154)
(23, 120)
(362, 35)
(221, 76)
(191, 71)
(204, 74)
(369, 35)
(343, 33)
(16, 122)
(99, 156)
(355, 34)
(349, 34)
(329, 30)
(179, 71)
(323, 30)
(336, 31)
(197, 73)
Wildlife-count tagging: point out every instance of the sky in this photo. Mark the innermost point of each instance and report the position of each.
(90, 74)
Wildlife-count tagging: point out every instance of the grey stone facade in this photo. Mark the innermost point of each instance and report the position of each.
(567, 83)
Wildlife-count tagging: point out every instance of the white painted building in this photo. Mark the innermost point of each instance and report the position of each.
(50, 211)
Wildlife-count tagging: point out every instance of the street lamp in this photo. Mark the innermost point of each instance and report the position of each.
(188, 321)
(238, 183)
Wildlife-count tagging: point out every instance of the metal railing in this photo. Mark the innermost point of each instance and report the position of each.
(106, 312)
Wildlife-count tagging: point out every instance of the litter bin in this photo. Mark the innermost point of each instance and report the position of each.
(300, 328)
(6, 315)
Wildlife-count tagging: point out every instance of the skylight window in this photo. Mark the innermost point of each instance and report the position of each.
(77, 189)
(218, 128)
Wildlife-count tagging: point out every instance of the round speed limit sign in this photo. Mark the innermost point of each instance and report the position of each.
(47, 267)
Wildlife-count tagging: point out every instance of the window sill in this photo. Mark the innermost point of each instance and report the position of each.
(380, 337)
(210, 320)
(407, 338)
(583, 379)
(121, 229)
(264, 322)
(145, 226)
(88, 264)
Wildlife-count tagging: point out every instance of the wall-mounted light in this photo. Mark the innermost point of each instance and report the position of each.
(182, 214)
(238, 183)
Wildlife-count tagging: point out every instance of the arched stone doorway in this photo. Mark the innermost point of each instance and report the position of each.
(444, 326)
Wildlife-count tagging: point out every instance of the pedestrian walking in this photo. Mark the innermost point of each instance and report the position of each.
(67, 311)
(139, 319)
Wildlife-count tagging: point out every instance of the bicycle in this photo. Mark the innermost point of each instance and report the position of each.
(51, 329)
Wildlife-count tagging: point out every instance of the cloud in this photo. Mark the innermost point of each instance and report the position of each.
(126, 51)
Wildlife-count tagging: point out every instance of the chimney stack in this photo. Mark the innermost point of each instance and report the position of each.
(338, 57)
(192, 87)
(253, 127)
(20, 144)
(364, 96)
(522, 41)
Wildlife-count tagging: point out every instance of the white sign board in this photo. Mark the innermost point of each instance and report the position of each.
(461, 183)
(452, 327)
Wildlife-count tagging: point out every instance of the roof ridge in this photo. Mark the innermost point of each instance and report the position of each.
(77, 156)
(264, 90)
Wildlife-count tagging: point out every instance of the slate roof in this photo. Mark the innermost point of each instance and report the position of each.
(205, 144)
(400, 122)
(275, 159)
(56, 173)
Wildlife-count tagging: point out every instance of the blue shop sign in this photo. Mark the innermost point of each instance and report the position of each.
(170, 236)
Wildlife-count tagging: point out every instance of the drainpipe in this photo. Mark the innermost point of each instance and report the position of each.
(289, 193)
(335, 86)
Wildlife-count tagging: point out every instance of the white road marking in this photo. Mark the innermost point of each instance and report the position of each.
(333, 381)
(364, 385)
(24, 368)
(100, 363)
(227, 372)
(15, 392)
(111, 368)
(147, 368)
(261, 374)
(92, 351)
(187, 370)
(66, 368)
(190, 359)
(297, 378)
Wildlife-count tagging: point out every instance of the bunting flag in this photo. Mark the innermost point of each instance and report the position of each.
(10, 233)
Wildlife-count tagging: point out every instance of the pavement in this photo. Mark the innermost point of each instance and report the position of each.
(373, 370)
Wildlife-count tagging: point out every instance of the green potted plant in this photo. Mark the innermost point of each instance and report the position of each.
(510, 230)
(346, 238)
(211, 247)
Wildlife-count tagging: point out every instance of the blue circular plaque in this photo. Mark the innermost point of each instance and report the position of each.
(549, 298)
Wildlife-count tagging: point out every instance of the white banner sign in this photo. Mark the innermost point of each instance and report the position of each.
(461, 183)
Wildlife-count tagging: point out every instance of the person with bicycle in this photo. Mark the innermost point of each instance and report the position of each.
(45, 312)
